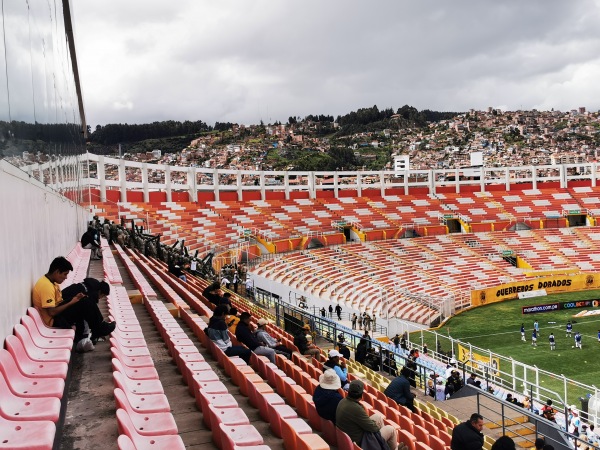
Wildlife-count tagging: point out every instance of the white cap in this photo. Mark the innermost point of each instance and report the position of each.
(453, 361)
(334, 353)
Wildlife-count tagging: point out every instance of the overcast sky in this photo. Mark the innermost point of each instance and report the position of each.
(242, 61)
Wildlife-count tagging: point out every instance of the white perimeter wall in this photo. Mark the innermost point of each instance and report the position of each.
(36, 225)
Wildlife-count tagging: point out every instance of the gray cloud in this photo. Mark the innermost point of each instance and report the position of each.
(241, 61)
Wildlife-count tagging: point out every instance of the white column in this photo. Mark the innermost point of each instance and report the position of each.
(100, 170)
(507, 179)
(216, 184)
(122, 180)
(240, 191)
(359, 184)
(145, 182)
(168, 183)
(286, 185)
(534, 177)
(381, 182)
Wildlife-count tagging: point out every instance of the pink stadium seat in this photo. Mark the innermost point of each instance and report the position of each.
(343, 440)
(46, 330)
(148, 424)
(217, 400)
(227, 437)
(141, 442)
(31, 368)
(125, 443)
(226, 416)
(276, 414)
(26, 435)
(19, 408)
(329, 431)
(38, 353)
(422, 446)
(135, 373)
(130, 351)
(45, 341)
(141, 387)
(421, 434)
(145, 404)
(23, 386)
(311, 442)
(132, 361)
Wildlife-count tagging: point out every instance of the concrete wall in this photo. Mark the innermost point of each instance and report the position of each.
(36, 225)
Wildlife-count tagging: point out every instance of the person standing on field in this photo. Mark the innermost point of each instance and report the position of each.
(552, 341)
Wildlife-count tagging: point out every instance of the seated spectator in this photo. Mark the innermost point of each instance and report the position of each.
(96, 290)
(456, 380)
(399, 390)
(244, 334)
(213, 293)
(504, 443)
(327, 396)
(232, 319)
(431, 381)
(360, 355)
(306, 347)
(226, 299)
(217, 332)
(176, 270)
(389, 363)
(263, 336)
(343, 348)
(48, 301)
(338, 365)
(91, 240)
(353, 420)
(440, 390)
(372, 360)
(467, 435)
(548, 411)
(472, 380)
(539, 443)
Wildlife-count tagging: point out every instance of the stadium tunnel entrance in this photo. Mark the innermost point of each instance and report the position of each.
(454, 226)
(577, 220)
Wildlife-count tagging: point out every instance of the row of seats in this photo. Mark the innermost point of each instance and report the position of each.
(33, 370)
(143, 411)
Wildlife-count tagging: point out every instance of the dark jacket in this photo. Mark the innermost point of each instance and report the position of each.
(90, 237)
(90, 287)
(326, 402)
(245, 336)
(300, 341)
(213, 298)
(466, 437)
(399, 390)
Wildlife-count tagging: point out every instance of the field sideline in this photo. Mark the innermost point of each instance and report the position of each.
(497, 327)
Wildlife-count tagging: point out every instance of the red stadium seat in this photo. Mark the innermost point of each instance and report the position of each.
(170, 441)
(19, 408)
(31, 368)
(147, 424)
(46, 330)
(26, 435)
(45, 341)
(23, 386)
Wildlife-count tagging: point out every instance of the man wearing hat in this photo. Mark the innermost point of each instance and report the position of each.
(338, 365)
(327, 396)
(301, 340)
(353, 420)
(244, 334)
(263, 336)
(217, 332)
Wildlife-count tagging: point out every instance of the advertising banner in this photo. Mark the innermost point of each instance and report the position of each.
(475, 360)
(534, 309)
(552, 285)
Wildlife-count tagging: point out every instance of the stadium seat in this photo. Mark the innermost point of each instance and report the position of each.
(132, 361)
(140, 387)
(46, 330)
(45, 341)
(228, 437)
(26, 435)
(147, 424)
(19, 408)
(145, 404)
(217, 400)
(39, 353)
(23, 386)
(135, 373)
(291, 428)
(329, 431)
(31, 368)
(142, 442)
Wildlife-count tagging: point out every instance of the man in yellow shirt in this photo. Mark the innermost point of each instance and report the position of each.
(47, 300)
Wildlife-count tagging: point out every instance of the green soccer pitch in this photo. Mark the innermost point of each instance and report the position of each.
(497, 327)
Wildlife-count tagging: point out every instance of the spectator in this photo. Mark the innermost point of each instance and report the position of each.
(504, 443)
(411, 365)
(217, 332)
(225, 282)
(249, 287)
(244, 334)
(353, 420)
(389, 364)
(467, 435)
(539, 443)
(396, 341)
(304, 346)
(232, 319)
(226, 299)
(56, 312)
(338, 311)
(327, 396)
(94, 289)
(354, 319)
(372, 360)
(343, 348)
(548, 411)
(213, 293)
(472, 380)
(425, 348)
(404, 341)
(330, 311)
(176, 270)
(399, 390)
(236, 281)
(323, 312)
(360, 355)
(338, 365)
(263, 336)
(91, 240)
(440, 390)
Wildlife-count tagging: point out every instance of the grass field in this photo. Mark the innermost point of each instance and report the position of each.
(497, 327)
